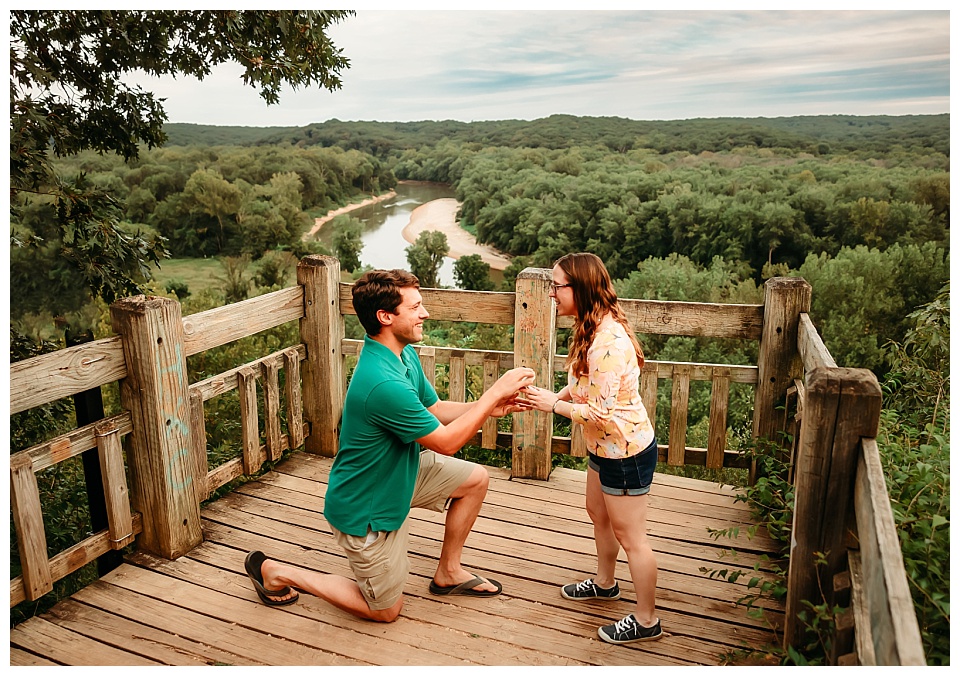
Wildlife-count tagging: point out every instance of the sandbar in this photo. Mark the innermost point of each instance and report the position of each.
(441, 214)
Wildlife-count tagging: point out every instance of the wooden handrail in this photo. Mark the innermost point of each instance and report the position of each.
(812, 350)
(887, 629)
(45, 378)
(675, 318)
(48, 377)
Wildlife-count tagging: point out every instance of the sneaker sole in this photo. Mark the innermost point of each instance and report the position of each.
(633, 640)
(589, 598)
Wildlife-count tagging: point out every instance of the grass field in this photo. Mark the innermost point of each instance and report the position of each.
(197, 273)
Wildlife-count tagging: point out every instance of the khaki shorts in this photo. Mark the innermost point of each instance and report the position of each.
(379, 559)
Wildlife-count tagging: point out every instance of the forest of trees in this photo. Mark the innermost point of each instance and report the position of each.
(857, 206)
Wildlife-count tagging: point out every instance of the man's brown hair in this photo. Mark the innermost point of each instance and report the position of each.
(380, 290)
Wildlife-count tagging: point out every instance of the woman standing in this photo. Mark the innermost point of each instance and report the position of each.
(603, 395)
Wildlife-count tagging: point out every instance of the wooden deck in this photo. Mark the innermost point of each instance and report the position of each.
(532, 536)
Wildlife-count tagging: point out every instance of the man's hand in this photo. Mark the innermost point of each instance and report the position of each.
(512, 383)
(515, 404)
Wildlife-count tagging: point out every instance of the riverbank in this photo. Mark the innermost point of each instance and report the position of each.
(441, 214)
(319, 223)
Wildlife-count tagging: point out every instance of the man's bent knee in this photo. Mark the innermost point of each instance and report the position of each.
(387, 614)
(476, 483)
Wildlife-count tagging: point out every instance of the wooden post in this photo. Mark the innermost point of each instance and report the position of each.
(535, 342)
(321, 330)
(155, 391)
(842, 405)
(778, 362)
(717, 430)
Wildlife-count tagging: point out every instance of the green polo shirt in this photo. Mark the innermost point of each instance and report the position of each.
(384, 413)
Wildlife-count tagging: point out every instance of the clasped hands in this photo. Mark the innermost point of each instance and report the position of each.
(519, 394)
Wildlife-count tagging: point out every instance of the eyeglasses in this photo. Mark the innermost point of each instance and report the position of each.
(554, 287)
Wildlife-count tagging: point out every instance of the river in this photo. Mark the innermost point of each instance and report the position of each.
(383, 223)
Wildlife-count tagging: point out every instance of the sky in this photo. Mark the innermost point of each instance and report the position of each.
(469, 65)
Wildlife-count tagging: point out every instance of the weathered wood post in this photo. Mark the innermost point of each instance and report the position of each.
(165, 487)
(321, 330)
(534, 344)
(778, 362)
(842, 405)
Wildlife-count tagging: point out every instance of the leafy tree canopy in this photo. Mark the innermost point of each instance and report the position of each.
(68, 93)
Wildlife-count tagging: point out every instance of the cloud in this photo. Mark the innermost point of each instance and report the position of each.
(473, 65)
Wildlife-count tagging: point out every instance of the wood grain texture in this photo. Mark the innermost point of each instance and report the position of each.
(532, 536)
(886, 593)
(534, 344)
(28, 523)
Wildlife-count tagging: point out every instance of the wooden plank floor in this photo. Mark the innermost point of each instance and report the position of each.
(532, 536)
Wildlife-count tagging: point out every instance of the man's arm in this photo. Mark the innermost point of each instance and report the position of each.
(460, 421)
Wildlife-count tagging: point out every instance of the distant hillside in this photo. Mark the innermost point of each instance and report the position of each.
(816, 134)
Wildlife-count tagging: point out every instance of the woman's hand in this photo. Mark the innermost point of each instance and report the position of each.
(514, 404)
(540, 399)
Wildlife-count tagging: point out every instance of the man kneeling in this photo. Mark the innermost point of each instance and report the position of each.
(380, 471)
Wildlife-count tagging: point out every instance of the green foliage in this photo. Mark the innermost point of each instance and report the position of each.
(58, 110)
(914, 442)
(426, 255)
(347, 244)
(472, 273)
(276, 270)
(236, 285)
(861, 297)
(177, 287)
(878, 136)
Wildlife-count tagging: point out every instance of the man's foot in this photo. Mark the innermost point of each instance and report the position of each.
(253, 564)
(629, 630)
(475, 586)
(588, 589)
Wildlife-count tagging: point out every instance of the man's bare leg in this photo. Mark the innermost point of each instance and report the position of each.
(336, 590)
(463, 511)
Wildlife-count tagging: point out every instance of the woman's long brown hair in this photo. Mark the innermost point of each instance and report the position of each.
(594, 296)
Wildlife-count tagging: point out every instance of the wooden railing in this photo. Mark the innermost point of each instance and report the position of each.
(531, 311)
(154, 390)
(843, 517)
(163, 419)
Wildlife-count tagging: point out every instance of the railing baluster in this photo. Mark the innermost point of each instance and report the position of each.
(271, 408)
(249, 422)
(717, 433)
(648, 390)
(198, 443)
(678, 415)
(428, 359)
(115, 492)
(28, 519)
(291, 367)
(458, 377)
(578, 445)
(491, 371)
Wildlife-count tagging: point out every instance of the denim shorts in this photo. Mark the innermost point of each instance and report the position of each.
(626, 476)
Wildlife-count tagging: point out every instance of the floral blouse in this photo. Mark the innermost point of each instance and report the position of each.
(607, 402)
